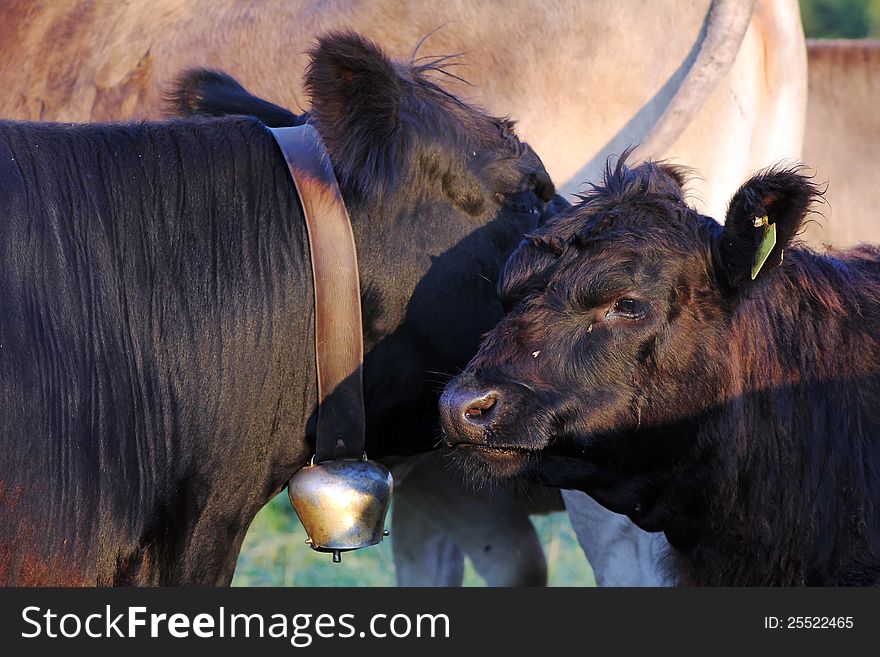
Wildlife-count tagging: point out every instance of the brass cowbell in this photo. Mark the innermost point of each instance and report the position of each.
(342, 503)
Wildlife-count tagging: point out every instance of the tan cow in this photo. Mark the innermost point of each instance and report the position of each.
(841, 139)
(582, 78)
(713, 84)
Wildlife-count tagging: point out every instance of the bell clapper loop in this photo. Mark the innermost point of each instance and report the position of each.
(337, 556)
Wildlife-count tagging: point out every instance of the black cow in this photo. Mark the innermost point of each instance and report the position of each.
(641, 363)
(438, 517)
(156, 341)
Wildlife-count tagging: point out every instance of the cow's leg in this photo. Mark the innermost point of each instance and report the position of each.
(620, 553)
(424, 555)
(439, 512)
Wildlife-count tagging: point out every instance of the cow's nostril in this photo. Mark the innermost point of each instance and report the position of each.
(480, 410)
(468, 410)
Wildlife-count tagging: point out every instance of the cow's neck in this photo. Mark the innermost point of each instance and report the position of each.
(785, 443)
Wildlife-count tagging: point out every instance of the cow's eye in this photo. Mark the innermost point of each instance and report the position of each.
(524, 201)
(629, 308)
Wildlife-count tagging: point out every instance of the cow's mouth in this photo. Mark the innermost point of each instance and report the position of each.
(501, 461)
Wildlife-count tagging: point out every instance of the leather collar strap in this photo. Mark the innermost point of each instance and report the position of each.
(339, 341)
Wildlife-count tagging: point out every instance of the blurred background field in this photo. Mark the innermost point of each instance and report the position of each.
(841, 19)
(275, 554)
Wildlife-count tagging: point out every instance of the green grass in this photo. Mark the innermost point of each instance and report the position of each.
(275, 554)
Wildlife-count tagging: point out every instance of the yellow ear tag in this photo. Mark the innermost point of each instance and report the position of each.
(768, 241)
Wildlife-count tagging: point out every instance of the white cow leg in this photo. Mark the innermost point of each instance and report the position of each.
(620, 553)
(435, 512)
(423, 554)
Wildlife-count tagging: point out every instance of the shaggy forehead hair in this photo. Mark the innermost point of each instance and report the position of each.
(639, 204)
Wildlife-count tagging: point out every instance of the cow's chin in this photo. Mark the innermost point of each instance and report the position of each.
(492, 462)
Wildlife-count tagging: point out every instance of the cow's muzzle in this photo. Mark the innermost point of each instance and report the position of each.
(468, 409)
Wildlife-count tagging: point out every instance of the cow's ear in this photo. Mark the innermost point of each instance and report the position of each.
(763, 218)
(204, 92)
(355, 93)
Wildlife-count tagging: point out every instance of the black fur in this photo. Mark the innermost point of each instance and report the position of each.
(740, 419)
(156, 294)
(203, 92)
(156, 344)
(784, 199)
